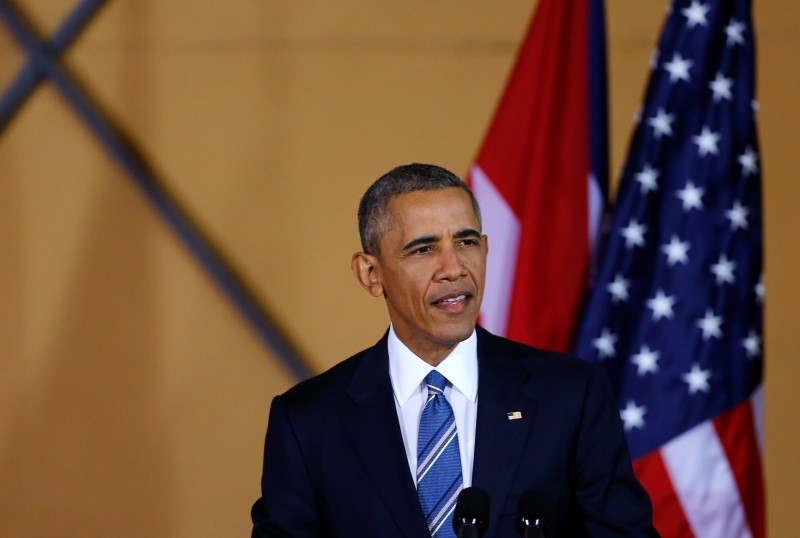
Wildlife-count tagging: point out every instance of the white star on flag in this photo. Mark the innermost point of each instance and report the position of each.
(723, 270)
(618, 288)
(678, 68)
(661, 305)
(752, 344)
(748, 160)
(711, 325)
(646, 361)
(721, 87)
(737, 215)
(691, 196)
(676, 251)
(648, 179)
(734, 31)
(661, 123)
(634, 234)
(760, 290)
(697, 379)
(696, 14)
(605, 344)
(633, 416)
(707, 142)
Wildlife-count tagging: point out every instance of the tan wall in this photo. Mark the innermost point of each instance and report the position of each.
(133, 398)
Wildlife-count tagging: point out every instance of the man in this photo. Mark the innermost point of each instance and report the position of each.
(381, 444)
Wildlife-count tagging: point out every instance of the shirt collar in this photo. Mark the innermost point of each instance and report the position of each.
(407, 371)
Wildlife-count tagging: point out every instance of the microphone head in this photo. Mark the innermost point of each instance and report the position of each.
(472, 508)
(535, 510)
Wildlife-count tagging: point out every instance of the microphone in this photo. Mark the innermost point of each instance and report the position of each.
(535, 514)
(471, 515)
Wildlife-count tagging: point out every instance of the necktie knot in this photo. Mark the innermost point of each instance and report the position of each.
(435, 382)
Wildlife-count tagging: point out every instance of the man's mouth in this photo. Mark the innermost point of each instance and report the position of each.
(453, 303)
(451, 300)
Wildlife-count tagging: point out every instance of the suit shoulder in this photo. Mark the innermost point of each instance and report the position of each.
(533, 356)
(334, 378)
(328, 391)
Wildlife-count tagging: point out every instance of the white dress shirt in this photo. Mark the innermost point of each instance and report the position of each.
(407, 372)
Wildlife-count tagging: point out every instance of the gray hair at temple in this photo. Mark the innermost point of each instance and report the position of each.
(374, 218)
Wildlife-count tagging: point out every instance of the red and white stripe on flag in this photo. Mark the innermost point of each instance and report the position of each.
(707, 472)
(533, 182)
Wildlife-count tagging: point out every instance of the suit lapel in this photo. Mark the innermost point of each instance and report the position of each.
(374, 431)
(499, 439)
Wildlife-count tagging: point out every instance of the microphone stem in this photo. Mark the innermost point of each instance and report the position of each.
(533, 532)
(468, 531)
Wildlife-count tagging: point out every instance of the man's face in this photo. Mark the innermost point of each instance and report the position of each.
(431, 270)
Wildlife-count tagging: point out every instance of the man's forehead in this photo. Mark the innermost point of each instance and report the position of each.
(431, 217)
(443, 201)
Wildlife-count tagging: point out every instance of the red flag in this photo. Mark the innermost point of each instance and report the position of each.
(532, 177)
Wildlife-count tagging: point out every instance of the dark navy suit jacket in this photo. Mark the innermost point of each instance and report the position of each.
(334, 462)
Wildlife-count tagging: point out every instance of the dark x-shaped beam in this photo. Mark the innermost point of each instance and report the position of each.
(43, 64)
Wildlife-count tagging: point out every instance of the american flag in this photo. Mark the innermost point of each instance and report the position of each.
(675, 313)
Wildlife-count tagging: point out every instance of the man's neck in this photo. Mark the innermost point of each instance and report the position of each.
(431, 351)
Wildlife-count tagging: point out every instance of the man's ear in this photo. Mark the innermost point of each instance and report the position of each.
(365, 267)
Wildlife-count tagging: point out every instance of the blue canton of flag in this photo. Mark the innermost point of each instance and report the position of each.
(675, 313)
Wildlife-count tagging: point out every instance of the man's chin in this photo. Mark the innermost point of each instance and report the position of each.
(455, 333)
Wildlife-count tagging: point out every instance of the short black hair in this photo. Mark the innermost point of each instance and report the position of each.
(373, 214)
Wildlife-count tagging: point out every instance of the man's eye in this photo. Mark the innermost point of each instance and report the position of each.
(468, 242)
(423, 250)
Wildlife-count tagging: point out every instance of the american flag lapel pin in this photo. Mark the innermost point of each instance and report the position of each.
(514, 415)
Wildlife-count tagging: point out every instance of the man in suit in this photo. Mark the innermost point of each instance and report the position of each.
(380, 446)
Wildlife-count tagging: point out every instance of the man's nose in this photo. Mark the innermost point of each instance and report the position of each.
(451, 264)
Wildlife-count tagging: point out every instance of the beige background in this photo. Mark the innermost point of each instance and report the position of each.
(133, 398)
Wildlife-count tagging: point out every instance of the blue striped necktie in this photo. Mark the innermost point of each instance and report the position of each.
(439, 478)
